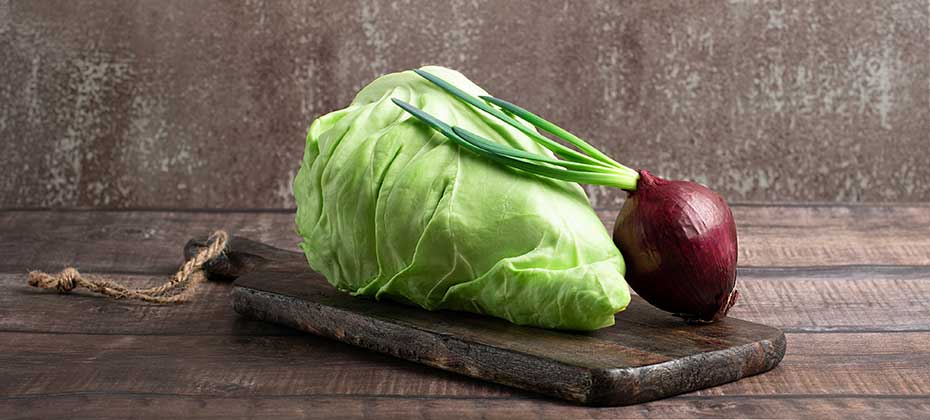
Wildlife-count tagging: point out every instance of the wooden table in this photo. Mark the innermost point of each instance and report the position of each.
(850, 285)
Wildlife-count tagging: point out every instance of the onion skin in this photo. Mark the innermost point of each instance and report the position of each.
(679, 242)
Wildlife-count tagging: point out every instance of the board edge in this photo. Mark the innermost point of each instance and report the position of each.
(596, 386)
(626, 386)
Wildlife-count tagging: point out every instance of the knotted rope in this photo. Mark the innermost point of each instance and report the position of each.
(179, 288)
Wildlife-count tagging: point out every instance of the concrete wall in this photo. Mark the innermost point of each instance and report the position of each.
(192, 103)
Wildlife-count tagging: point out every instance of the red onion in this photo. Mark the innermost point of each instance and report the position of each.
(679, 241)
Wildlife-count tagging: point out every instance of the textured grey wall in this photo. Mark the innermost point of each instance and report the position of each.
(205, 103)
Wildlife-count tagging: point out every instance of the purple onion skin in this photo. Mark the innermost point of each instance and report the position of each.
(679, 242)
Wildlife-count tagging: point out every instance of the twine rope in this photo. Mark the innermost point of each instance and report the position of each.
(177, 289)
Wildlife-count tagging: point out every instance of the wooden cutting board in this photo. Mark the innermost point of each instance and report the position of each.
(647, 355)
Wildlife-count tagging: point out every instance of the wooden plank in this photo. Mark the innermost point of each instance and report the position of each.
(150, 241)
(123, 241)
(34, 365)
(823, 299)
(27, 309)
(799, 236)
(226, 366)
(804, 299)
(334, 407)
(844, 364)
(873, 300)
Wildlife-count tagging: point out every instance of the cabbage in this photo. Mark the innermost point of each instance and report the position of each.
(389, 208)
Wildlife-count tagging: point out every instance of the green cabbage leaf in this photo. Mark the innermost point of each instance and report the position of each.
(389, 208)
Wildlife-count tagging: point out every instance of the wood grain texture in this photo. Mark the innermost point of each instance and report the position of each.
(139, 242)
(798, 236)
(847, 299)
(770, 235)
(128, 405)
(844, 298)
(859, 346)
(647, 355)
(27, 309)
(110, 406)
(817, 365)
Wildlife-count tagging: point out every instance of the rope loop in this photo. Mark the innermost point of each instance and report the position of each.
(179, 288)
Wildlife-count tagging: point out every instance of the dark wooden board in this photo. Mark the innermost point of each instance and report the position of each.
(647, 355)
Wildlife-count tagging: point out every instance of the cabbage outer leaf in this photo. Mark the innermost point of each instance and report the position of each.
(389, 208)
